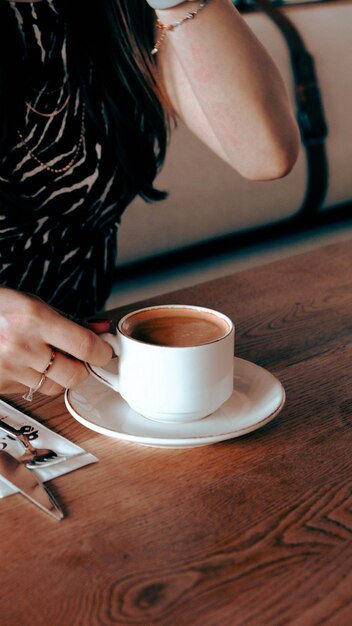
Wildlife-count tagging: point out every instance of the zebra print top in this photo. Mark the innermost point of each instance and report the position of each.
(60, 242)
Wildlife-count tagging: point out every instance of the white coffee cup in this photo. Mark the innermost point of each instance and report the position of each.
(175, 361)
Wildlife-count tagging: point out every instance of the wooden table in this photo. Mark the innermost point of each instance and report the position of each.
(253, 531)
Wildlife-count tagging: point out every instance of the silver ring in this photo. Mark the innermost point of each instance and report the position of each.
(31, 391)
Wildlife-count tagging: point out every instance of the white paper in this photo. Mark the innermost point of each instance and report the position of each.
(40, 437)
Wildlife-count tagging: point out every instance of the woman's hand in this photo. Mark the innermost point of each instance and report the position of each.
(30, 331)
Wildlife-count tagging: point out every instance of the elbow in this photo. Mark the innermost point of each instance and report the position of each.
(274, 168)
(284, 165)
(273, 158)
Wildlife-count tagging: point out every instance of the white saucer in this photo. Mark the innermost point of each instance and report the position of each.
(257, 398)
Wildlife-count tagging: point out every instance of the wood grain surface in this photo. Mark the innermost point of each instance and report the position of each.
(250, 532)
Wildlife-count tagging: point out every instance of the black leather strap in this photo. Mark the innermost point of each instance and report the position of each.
(310, 111)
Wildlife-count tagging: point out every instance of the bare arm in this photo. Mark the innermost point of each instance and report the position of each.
(228, 91)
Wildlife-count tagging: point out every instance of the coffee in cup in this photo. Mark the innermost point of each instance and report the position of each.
(173, 327)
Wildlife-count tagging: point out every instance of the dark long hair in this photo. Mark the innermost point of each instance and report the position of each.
(109, 44)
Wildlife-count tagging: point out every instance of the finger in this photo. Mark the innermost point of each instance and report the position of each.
(73, 339)
(17, 356)
(30, 378)
(51, 388)
(41, 357)
(98, 326)
(66, 372)
(21, 355)
(12, 387)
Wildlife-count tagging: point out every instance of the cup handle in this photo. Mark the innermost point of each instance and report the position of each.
(108, 378)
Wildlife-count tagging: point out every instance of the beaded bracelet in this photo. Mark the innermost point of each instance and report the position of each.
(165, 28)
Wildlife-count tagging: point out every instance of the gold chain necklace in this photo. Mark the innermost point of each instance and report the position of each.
(44, 91)
(47, 167)
(54, 113)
